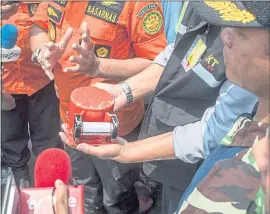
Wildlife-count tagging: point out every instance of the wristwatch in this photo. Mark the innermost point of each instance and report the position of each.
(127, 92)
(35, 55)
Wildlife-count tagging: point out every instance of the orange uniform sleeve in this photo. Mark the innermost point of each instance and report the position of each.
(146, 29)
(41, 16)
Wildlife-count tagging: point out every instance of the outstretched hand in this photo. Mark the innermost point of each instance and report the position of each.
(52, 52)
(86, 63)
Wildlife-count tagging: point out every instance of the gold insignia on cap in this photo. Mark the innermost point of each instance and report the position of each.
(152, 22)
(102, 52)
(230, 12)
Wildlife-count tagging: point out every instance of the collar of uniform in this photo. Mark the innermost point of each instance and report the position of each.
(75, 9)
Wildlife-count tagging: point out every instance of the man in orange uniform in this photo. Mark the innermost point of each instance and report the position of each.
(126, 36)
(36, 114)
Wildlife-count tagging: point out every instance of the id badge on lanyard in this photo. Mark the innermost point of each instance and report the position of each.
(194, 53)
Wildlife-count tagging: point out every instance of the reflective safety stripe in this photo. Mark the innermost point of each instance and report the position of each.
(206, 76)
(183, 12)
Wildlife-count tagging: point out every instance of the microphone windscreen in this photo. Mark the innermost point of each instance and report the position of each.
(52, 164)
(9, 36)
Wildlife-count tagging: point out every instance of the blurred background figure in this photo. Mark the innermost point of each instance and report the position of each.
(34, 115)
(171, 12)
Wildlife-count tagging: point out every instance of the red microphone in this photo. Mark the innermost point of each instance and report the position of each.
(51, 165)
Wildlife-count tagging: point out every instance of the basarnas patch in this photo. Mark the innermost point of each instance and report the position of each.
(102, 51)
(55, 14)
(152, 22)
(106, 11)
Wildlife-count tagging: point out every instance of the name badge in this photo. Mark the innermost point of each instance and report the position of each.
(194, 53)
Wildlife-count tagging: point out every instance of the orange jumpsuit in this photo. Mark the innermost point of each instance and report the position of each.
(23, 76)
(36, 115)
(118, 30)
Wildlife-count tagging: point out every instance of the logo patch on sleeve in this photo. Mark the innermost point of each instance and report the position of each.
(102, 51)
(61, 3)
(146, 9)
(55, 14)
(152, 22)
(52, 31)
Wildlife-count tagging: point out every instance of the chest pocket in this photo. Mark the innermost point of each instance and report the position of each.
(105, 15)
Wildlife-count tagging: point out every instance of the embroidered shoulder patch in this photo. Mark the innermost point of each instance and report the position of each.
(55, 14)
(32, 8)
(145, 9)
(102, 51)
(152, 22)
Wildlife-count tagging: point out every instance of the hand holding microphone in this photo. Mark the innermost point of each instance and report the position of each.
(9, 52)
(61, 197)
(52, 194)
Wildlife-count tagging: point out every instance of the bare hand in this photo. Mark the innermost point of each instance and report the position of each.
(52, 52)
(107, 151)
(66, 137)
(117, 92)
(9, 10)
(61, 197)
(87, 62)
